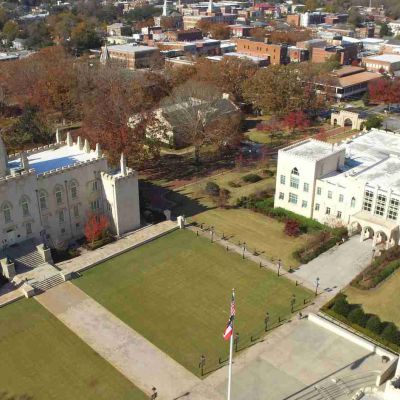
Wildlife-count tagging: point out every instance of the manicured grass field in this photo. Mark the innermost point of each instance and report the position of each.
(176, 290)
(41, 358)
(382, 301)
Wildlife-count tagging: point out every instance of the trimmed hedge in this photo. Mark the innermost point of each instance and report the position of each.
(387, 271)
(251, 178)
(379, 270)
(353, 315)
(212, 189)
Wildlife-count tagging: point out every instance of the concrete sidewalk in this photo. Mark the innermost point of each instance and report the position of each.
(126, 243)
(130, 353)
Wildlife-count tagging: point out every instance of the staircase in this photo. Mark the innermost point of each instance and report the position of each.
(48, 283)
(30, 260)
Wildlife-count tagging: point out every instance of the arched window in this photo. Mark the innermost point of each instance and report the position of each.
(353, 202)
(6, 209)
(294, 178)
(58, 193)
(295, 171)
(73, 187)
(24, 202)
(43, 200)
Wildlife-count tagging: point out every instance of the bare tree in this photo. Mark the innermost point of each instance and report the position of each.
(195, 111)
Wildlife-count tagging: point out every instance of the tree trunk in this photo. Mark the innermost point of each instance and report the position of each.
(197, 154)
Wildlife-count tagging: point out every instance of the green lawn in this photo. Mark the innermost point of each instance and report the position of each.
(41, 358)
(176, 290)
(258, 231)
(382, 301)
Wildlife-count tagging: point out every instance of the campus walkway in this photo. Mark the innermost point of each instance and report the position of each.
(128, 242)
(130, 353)
(335, 268)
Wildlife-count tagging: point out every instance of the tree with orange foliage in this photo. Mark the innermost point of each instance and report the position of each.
(385, 91)
(296, 120)
(96, 227)
(290, 37)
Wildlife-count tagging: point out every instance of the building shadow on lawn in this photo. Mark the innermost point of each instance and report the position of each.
(162, 198)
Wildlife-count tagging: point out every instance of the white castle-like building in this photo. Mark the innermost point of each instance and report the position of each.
(355, 183)
(47, 193)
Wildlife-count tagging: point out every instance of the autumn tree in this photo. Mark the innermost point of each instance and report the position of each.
(279, 90)
(10, 31)
(96, 227)
(385, 91)
(198, 116)
(220, 31)
(290, 37)
(228, 74)
(296, 121)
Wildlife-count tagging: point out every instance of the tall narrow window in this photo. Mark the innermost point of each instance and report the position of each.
(7, 213)
(393, 210)
(43, 200)
(59, 199)
(74, 190)
(25, 208)
(380, 205)
(368, 198)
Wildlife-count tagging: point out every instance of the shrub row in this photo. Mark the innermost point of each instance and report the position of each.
(266, 206)
(321, 243)
(326, 238)
(386, 271)
(370, 324)
(380, 269)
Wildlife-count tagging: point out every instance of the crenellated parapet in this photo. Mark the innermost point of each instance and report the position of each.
(77, 165)
(16, 176)
(35, 150)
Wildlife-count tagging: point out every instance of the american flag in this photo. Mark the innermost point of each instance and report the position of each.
(233, 306)
(229, 326)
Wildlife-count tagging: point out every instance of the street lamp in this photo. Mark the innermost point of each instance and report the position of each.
(212, 234)
(266, 320)
(244, 249)
(279, 266)
(292, 302)
(316, 285)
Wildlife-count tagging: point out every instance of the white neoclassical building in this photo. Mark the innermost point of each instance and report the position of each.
(355, 183)
(46, 193)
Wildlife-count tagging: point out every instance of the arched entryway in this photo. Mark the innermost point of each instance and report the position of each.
(348, 123)
(380, 239)
(366, 233)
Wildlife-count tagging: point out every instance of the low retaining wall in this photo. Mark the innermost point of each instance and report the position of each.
(353, 337)
(131, 247)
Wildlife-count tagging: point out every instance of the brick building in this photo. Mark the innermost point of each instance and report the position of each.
(277, 53)
(344, 55)
(184, 36)
(385, 62)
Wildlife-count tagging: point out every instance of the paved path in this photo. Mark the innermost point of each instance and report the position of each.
(335, 268)
(110, 250)
(131, 354)
(9, 293)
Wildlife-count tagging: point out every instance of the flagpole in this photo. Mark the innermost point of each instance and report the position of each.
(230, 357)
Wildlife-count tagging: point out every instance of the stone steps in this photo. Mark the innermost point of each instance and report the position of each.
(48, 283)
